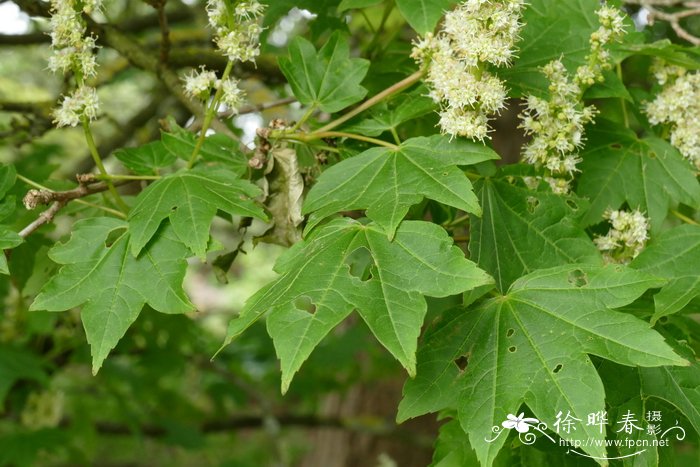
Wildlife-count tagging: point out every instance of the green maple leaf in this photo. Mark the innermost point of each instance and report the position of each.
(8, 239)
(318, 289)
(386, 182)
(112, 286)
(647, 173)
(530, 346)
(328, 79)
(423, 15)
(523, 230)
(679, 386)
(673, 255)
(146, 159)
(190, 199)
(216, 148)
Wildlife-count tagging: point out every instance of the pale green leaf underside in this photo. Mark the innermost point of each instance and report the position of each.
(387, 183)
(675, 256)
(190, 199)
(521, 231)
(328, 79)
(530, 346)
(110, 284)
(317, 289)
(648, 174)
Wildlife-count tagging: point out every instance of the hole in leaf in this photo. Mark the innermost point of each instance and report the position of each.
(462, 362)
(304, 303)
(578, 278)
(512, 349)
(113, 236)
(572, 204)
(510, 332)
(532, 204)
(652, 155)
(557, 369)
(360, 262)
(616, 146)
(663, 319)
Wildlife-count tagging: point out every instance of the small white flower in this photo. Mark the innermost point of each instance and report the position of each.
(198, 84)
(520, 423)
(627, 236)
(82, 103)
(232, 94)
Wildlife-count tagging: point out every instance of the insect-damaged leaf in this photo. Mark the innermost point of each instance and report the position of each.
(112, 286)
(321, 282)
(530, 346)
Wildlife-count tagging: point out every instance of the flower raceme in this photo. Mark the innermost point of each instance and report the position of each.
(74, 51)
(557, 125)
(475, 34)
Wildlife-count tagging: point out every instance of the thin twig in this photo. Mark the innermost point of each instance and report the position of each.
(44, 218)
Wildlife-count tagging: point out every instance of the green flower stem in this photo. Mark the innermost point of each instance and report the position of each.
(625, 116)
(303, 119)
(209, 116)
(100, 166)
(307, 137)
(128, 177)
(398, 87)
(684, 218)
(395, 135)
(32, 183)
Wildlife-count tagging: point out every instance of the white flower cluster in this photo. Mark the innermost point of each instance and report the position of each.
(557, 125)
(236, 27)
(678, 104)
(73, 50)
(626, 238)
(83, 102)
(476, 33)
(237, 31)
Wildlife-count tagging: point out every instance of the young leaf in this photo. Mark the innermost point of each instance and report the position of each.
(387, 182)
(322, 282)
(8, 239)
(328, 79)
(146, 159)
(110, 284)
(647, 173)
(529, 346)
(423, 15)
(675, 256)
(8, 175)
(190, 199)
(523, 230)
